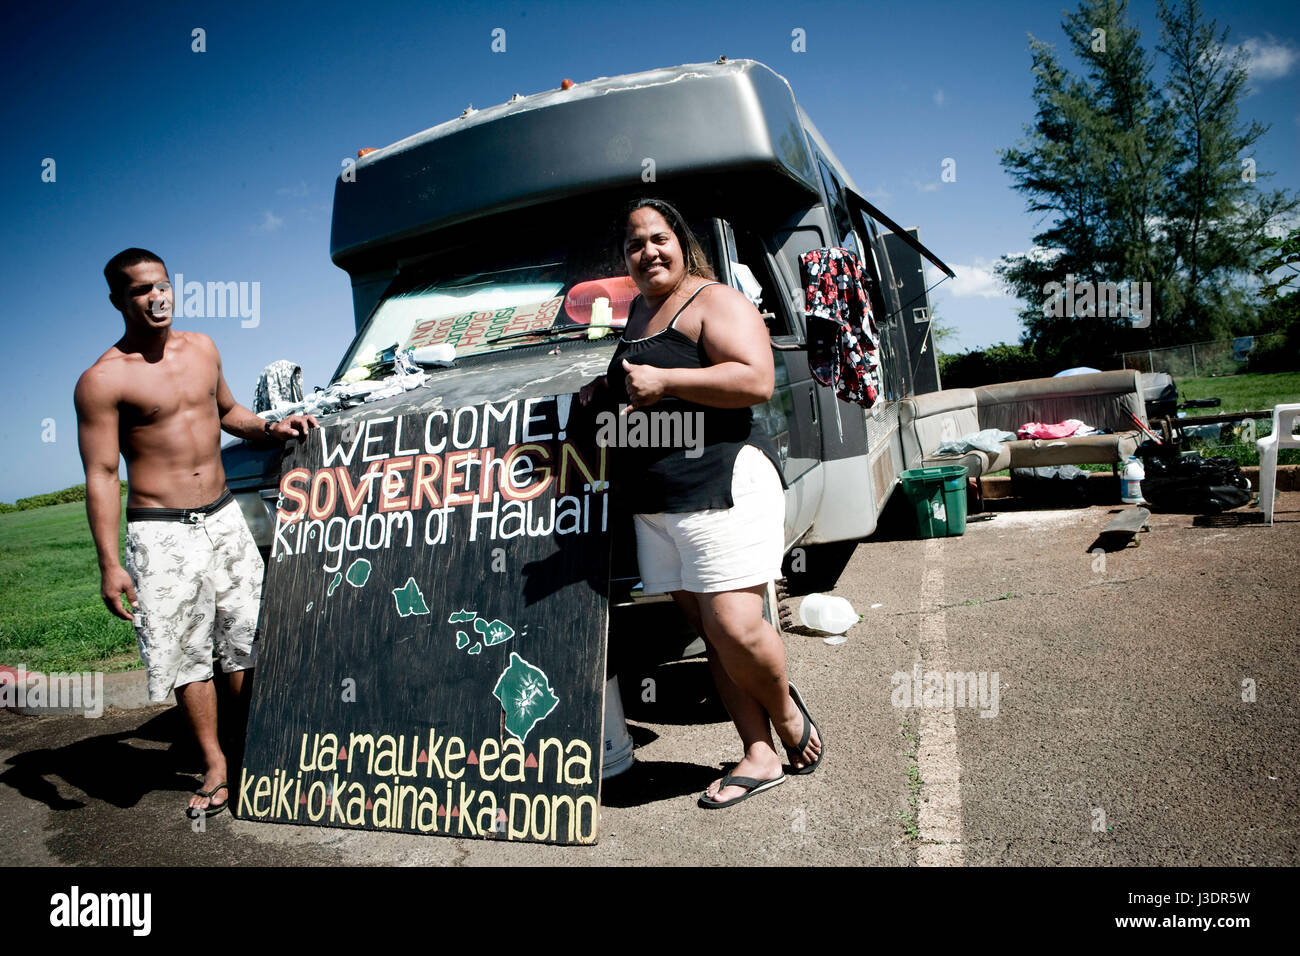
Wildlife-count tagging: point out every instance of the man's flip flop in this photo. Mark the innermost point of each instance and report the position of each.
(211, 810)
(755, 786)
(809, 725)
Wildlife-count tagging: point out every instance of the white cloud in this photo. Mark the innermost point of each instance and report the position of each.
(1269, 59)
(1037, 253)
(938, 97)
(270, 222)
(977, 280)
(881, 194)
(294, 192)
(1281, 225)
(926, 187)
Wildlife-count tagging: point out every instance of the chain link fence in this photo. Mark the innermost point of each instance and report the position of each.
(1199, 359)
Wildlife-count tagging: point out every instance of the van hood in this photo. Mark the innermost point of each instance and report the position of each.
(528, 372)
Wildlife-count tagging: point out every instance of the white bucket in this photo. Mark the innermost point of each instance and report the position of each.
(618, 742)
(821, 612)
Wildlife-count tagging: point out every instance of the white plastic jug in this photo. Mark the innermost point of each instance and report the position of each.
(1130, 481)
(821, 612)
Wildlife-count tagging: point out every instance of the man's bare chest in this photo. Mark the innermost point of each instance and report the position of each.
(154, 394)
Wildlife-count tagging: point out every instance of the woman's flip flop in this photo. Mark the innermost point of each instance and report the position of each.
(809, 725)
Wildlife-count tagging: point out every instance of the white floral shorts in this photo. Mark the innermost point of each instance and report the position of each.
(198, 586)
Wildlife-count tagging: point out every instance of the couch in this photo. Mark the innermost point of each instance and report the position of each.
(1103, 400)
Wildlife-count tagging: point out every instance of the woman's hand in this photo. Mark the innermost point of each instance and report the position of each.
(588, 391)
(646, 384)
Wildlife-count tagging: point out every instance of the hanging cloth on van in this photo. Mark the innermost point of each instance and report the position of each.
(843, 344)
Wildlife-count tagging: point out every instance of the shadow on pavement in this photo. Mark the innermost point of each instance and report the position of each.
(813, 568)
(682, 693)
(1232, 519)
(111, 767)
(649, 782)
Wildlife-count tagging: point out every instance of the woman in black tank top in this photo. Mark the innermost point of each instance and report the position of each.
(697, 347)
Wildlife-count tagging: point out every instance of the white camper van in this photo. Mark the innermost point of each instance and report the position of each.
(512, 202)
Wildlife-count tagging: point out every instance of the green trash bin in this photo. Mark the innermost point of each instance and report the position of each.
(938, 495)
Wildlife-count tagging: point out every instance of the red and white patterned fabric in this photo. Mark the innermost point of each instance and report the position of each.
(843, 343)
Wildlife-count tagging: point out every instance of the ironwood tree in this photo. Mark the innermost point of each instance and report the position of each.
(1139, 178)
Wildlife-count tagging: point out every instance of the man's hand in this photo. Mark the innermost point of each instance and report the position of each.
(588, 391)
(115, 580)
(292, 426)
(646, 384)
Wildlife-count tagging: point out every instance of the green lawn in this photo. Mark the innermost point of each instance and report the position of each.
(1241, 393)
(51, 615)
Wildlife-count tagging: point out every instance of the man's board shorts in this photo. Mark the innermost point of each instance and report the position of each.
(721, 549)
(198, 588)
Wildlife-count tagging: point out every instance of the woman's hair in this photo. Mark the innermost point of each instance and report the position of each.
(697, 264)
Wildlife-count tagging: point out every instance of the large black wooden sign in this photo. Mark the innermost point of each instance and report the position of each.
(432, 657)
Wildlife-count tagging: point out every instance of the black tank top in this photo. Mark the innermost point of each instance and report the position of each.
(684, 455)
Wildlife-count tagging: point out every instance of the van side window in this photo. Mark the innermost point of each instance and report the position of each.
(879, 301)
(884, 301)
(752, 253)
(839, 209)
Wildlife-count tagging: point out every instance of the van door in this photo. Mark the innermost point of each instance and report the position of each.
(790, 418)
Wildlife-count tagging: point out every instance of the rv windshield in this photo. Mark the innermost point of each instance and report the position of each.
(491, 310)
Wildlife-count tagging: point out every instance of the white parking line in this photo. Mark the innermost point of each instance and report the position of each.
(939, 811)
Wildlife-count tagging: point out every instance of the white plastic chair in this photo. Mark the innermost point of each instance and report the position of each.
(1284, 417)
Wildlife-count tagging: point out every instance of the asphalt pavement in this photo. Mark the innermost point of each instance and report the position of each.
(1127, 708)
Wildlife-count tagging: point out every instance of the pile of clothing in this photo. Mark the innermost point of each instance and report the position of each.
(989, 440)
(1070, 428)
(342, 394)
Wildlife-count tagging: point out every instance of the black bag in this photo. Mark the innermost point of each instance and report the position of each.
(1191, 484)
(1063, 486)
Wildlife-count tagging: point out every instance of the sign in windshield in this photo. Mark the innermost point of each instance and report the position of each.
(487, 311)
(471, 331)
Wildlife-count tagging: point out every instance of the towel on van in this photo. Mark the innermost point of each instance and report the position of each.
(843, 343)
(279, 384)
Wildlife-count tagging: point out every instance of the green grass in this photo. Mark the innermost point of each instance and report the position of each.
(910, 818)
(1241, 393)
(51, 615)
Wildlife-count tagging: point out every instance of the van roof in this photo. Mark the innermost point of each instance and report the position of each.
(736, 115)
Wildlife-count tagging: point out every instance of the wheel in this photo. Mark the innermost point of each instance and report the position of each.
(773, 612)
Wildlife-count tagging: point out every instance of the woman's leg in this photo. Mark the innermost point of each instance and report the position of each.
(748, 661)
(746, 713)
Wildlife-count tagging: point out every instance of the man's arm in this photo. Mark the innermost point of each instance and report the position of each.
(96, 402)
(243, 423)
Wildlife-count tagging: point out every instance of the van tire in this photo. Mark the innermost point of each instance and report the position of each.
(772, 612)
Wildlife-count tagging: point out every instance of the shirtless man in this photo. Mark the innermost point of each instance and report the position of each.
(193, 575)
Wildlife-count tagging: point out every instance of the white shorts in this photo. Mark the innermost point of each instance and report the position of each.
(722, 549)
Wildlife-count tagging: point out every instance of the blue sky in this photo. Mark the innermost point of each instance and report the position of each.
(223, 162)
